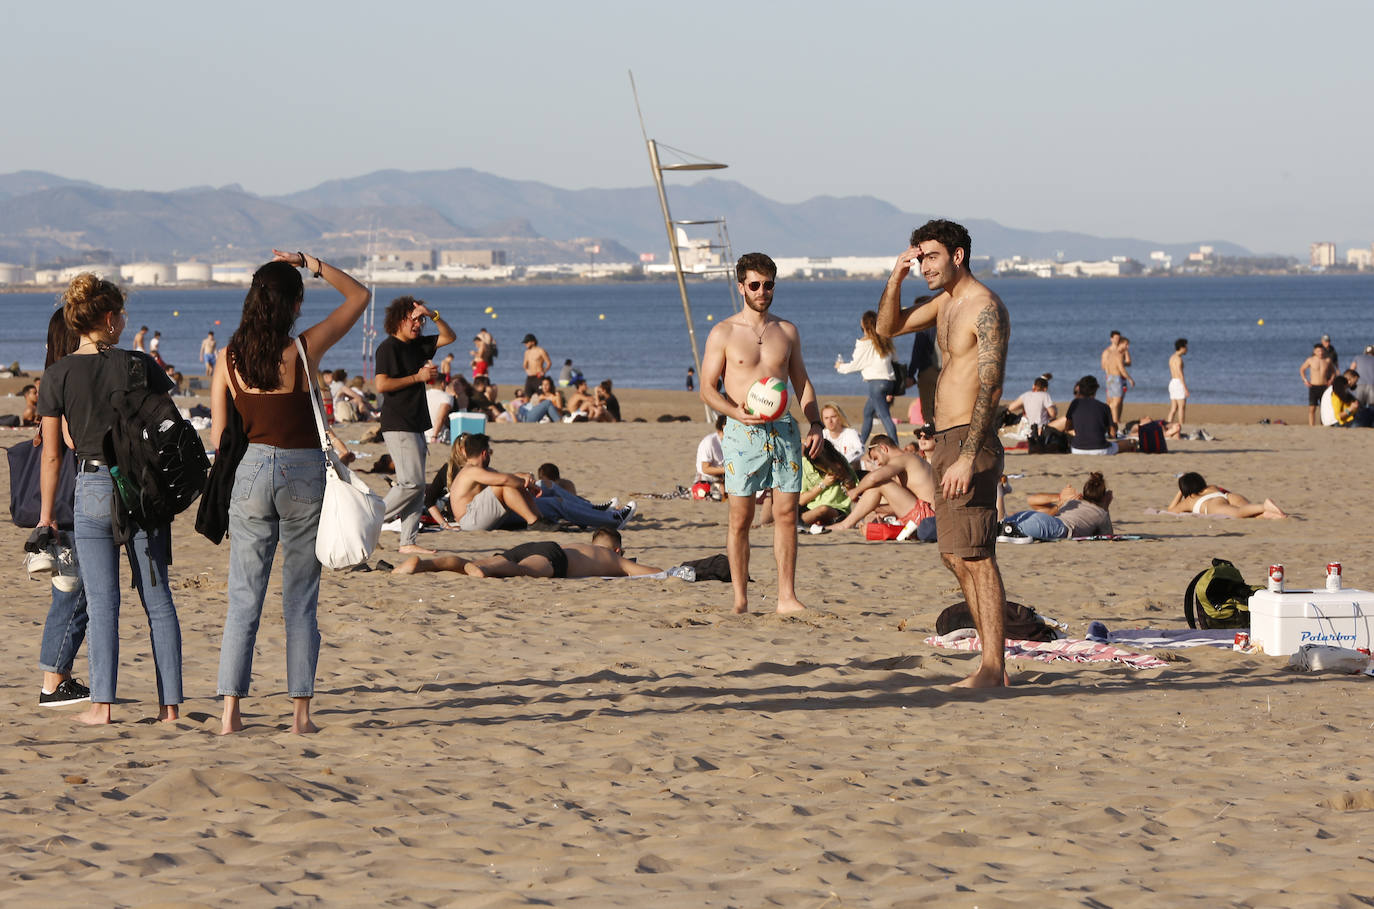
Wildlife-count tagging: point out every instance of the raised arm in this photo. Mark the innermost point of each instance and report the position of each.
(329, 331)
(892, 318)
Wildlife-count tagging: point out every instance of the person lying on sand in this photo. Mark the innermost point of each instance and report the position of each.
(1196, 496)
(1058, 516)
(604, 557)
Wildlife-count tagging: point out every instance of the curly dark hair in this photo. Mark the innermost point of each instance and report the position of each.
(755, 261)
(397, 311)
(269, 311)
(948, 234)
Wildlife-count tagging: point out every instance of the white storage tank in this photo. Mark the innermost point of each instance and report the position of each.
(148, 273)
(234, 272)
(188, 272)
(11, 274)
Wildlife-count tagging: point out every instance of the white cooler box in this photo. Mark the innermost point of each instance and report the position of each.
(1282, 622)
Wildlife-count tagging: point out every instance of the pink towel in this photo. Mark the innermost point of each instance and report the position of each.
(1071, 649)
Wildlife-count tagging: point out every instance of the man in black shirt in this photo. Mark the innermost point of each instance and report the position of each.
(404, 365)
(1091, 423)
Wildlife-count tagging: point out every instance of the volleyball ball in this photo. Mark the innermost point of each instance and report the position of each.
(767, 398)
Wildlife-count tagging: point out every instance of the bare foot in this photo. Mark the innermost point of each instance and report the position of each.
(300, 719)
(407, 567)
(232, 720)
(741, 607)
(413, 549)
(95, 715)
(1272, 511)
(984, 679)
(168, 713)
(473, 570)
(790, 604)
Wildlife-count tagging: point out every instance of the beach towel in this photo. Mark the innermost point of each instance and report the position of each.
(1171, 638)
(1067, 649)
(1110, 538)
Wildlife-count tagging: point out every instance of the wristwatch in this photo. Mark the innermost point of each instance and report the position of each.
(434, 314)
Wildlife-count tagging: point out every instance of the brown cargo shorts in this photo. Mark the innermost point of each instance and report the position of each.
(966, 526)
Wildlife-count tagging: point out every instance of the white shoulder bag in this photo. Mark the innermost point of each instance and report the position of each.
(351, 515)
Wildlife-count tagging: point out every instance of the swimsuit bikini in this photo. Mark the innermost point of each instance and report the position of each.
(1197, 506)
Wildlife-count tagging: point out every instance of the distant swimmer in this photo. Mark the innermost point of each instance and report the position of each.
(207, 354)
(1316, 371)
(604, 557)
(972, 332)
(1178, 389)
(760, 455)
(1115, 359)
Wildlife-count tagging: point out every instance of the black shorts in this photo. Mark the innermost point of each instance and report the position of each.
(551, 551)
(1314, 394)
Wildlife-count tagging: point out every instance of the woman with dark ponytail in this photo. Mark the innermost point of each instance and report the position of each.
(279, 483)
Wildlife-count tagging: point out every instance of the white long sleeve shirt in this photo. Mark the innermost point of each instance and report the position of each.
(866, 361)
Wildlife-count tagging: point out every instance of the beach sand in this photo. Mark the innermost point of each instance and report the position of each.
(631, 742)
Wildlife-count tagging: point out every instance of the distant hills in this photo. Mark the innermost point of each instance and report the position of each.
(47, 218)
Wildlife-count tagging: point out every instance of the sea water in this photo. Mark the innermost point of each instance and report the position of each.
(636, 333)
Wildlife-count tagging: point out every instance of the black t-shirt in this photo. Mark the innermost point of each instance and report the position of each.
(405, 410)
(78, 387)
(1090, 419)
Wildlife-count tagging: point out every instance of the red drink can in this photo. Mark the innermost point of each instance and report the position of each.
(1242, 641)
(1333, 575)
(1276, 578)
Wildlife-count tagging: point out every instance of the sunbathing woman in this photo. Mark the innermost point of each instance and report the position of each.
(1060, 516)
(1196, 496)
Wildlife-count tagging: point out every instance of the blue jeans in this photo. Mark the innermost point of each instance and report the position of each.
(277, 496)
(99, 558)
(533, 413)
(1038, 525)
(876, 405)
(63, 631)
(406, 500)
(557, 504)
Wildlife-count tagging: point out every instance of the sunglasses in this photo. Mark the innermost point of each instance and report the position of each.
(755, 285)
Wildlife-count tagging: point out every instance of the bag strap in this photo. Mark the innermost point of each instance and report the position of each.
(1188, 606)
(314, 397)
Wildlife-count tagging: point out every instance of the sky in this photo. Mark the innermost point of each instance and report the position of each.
(1166, 121)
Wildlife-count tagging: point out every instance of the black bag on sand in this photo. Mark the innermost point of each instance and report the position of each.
(711, 568)
(1218, 597)
(1047, 440)
(1020, 623)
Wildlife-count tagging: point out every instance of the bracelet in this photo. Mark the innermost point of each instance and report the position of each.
(319, 267)
(434, 314)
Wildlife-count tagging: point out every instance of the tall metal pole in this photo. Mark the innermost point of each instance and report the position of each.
(677, 260)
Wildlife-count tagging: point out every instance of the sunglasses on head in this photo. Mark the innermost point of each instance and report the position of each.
(755, 285)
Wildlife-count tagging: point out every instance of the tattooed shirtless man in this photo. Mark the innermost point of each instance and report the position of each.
(972, 330)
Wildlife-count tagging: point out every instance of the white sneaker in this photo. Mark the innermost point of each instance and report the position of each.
(66, 575)
(40, 562)
(393, 526)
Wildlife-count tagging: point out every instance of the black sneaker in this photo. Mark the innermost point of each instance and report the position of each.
(1010, 533)
(69, 692)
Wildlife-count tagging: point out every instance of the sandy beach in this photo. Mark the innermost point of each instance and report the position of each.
(494, 743)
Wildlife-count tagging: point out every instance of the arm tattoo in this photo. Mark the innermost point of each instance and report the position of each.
(993, 334)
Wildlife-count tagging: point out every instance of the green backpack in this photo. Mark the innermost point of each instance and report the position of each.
(1218, 597)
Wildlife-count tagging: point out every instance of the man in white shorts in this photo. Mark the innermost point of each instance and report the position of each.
(1178, 389)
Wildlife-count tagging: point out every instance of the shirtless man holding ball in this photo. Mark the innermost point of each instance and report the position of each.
(760, 455)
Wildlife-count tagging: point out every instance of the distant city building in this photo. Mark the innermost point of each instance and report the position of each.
(1360, 258)
(403, 259)
(472, 257)
(1206, 251)
(11, 274)
(1160, 259)
(1323, 255)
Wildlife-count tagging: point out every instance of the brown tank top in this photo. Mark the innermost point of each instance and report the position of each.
(280, 419)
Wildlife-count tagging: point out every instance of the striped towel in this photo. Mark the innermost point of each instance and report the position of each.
(1070, 649)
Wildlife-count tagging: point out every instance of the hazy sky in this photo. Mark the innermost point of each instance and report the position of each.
(1169, 121)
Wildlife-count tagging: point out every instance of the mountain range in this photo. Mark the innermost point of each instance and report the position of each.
(46, 218)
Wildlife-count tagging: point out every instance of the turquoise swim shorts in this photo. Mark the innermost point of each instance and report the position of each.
(762, 456)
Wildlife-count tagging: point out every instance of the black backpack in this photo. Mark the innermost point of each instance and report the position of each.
(1047, 440)
(157, 461)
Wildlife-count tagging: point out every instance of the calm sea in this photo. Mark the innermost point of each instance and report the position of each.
(636, 333)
